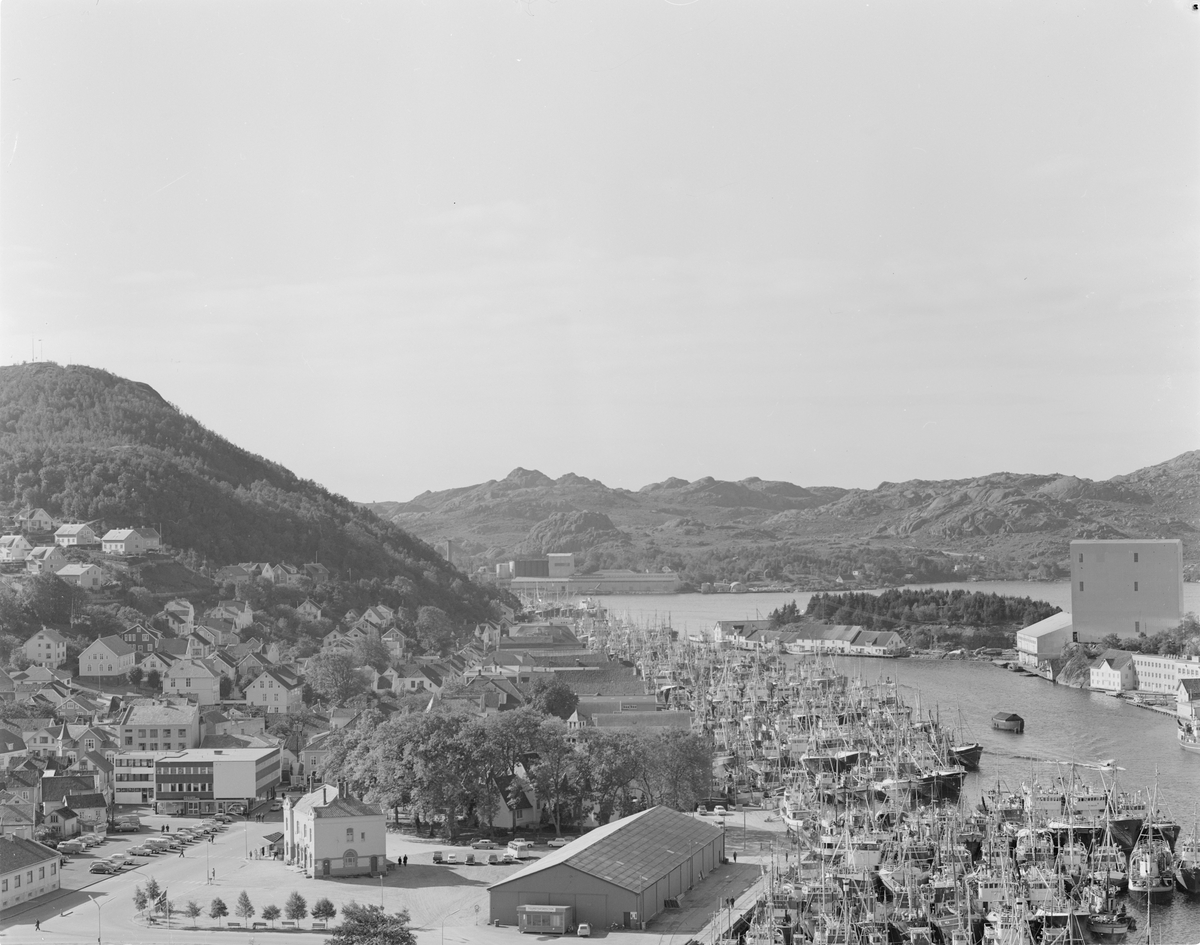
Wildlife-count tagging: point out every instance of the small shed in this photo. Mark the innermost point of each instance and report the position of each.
(545, 920)
(1008, 722)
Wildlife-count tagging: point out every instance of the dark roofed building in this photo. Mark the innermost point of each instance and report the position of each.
(620, 873)
(28, 870)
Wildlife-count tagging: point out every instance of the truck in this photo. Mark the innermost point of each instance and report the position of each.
(520, 849)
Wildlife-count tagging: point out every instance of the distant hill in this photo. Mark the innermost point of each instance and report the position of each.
(1003, 525)
(88, 445)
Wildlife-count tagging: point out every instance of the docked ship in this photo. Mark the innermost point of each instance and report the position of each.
(1187, 862)
(1189, 735)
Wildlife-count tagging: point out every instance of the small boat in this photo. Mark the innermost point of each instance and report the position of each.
(1187, 862)
(1107, 918)
(1150, 871)
(1008, 722)
(1189, 735)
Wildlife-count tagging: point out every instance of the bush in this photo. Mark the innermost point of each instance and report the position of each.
(270, 913)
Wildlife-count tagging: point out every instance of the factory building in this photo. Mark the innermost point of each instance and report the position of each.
(623, 872)
(1126, 587)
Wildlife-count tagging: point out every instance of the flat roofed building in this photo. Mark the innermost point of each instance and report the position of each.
(1045, 639)
(160, 726)
(206, 780)
(1126, 587)
(622, 872)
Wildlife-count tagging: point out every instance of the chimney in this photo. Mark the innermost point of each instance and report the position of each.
(322, 794)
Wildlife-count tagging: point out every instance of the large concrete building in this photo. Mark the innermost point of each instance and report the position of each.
(1126, 587)
(207, 780)
(620, 873)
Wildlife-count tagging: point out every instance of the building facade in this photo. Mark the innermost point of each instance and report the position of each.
(28, 870)
(208, 780)
(1126, 587)
(47, 647)
(330, 834)
(106, 658)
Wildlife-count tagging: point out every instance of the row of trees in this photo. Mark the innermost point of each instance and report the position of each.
(456, 766)
(153, 897)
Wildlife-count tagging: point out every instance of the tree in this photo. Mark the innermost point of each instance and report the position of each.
(295, 907)
(193, 911)
(218, 910)
(152, 891)
(226, 686)
(323, 909)
(140, 900)
(270, 914)
(244, 908)
(435, 630)
(370, 925)
(153, 679)
(371, 650)
(135, 676)
(554, 697)
(554, 772)
(336, 677)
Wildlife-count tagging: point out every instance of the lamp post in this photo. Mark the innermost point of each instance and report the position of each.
(99, 931)
(444, 918)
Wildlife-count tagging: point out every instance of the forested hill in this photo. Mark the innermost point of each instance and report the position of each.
(88, 445)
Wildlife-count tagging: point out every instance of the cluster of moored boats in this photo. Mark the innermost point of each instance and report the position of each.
(885, 850)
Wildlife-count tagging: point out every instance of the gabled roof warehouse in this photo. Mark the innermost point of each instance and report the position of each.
(621, 872)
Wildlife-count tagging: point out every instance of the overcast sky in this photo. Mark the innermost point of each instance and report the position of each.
(401, 246)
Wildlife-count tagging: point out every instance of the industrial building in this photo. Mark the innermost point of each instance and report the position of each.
(1126, 587)
(623, 872)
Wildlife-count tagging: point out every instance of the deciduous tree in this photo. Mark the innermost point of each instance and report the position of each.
(370, 925)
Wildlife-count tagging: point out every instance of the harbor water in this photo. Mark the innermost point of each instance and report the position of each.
(1062, 725)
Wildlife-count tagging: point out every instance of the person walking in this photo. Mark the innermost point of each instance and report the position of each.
(406, 859)
(735, 856)
(181, 854)
(37, 926)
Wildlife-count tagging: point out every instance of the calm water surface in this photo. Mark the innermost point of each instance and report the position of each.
(1062, 725)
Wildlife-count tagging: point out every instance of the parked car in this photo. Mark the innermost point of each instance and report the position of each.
(558, 842)
(584, 930)
(224, 819)
(493, 859)
(276, 805)
(91, 840)
(437, 857)
(238, 809)
(484, 845)
(508, 857)
(127, 827)
(720, 811)
(71, 846)
(469, 859)
(102, 867)
(141, 850)
(451, 858)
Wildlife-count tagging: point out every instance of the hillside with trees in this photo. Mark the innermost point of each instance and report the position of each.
(89, 446)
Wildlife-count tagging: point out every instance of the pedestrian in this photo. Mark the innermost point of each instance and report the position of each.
(406, 859)
(37, 926)
(735, 856)
(181, 854)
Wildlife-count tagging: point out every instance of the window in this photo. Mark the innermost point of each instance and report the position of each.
(183, 733)
(17, 881)
(1137, 626)
(4, 886)
(1081, 586)
(1081, 557)
(349, 834)
(128, 741)
(41, 872)
(1135, 557)
(141, 733)
(53, 868)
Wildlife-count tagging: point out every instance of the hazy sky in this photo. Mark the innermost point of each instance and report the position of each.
(401, 246)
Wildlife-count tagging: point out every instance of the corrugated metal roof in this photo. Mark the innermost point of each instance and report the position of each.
(633, 852)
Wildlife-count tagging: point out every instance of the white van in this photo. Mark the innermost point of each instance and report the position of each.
(520, 848)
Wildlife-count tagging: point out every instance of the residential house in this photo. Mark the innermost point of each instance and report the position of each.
(276, 691)
(180, 615)
(34, 520)
(313, 755)
(68, 536)
(95, 764)
(56, 790)
(47, 647)
(328, 833)
(87, 576)
(219, 632)
(91, 808)
(252, 664)
(317, 573)
(28, 871)
(412, 677)
(14, 821)
(14, 548)
(62, 824)
(378, 617)
(45, 559)
(12, 748)
(1112, 671)
(1187, 700)
(143, 639)
(158, 662)
(397, 643)
(195, 679)
(232, 574)
(226, 663)
(237, 612)
(130, 541)
(309, 610)
(109, 658)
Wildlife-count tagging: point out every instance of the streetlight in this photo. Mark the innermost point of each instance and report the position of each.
(444, 918)
(99, 931)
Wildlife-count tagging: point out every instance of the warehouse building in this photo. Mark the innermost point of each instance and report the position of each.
(623, 872)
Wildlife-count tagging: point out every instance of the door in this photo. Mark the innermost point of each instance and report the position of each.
(324, 867)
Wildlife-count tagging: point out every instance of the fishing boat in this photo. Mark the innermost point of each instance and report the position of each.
(1107, 918)
(1189, 734)
(1187, 861)
(1151, 872)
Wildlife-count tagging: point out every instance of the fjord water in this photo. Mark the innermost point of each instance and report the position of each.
(1062, 724)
